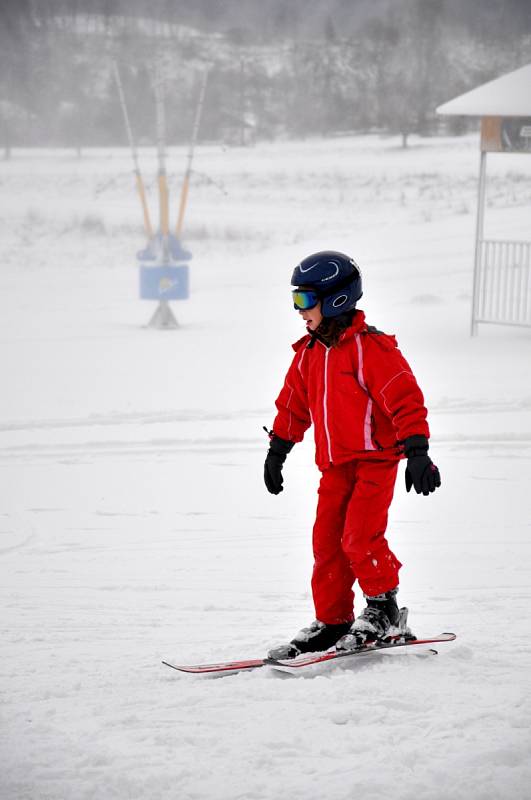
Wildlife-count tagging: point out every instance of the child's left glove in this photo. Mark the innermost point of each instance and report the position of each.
(276, 455)
(421, 472)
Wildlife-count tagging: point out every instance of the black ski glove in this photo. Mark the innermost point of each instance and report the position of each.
(276, 455)
(421, 472)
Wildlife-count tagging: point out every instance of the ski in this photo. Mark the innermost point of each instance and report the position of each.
(301, 661)
(291, 665)
(223, 668)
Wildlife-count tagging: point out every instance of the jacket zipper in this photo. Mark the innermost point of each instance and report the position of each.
(373, 434)
(368, 425)
(325, 410)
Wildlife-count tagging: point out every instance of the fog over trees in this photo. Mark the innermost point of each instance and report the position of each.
(301, 68)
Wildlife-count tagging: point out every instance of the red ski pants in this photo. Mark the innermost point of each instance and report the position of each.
(349, 537)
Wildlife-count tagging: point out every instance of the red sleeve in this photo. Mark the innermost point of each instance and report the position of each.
(293, 417)
(393, 387)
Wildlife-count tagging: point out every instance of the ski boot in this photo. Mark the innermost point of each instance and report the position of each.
(319, 636)
(380, 621)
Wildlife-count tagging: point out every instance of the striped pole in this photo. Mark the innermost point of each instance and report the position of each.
(136, 166)
(164, 213)
(193, 141)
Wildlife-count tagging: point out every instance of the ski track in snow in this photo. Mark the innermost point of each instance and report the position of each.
(135, 527)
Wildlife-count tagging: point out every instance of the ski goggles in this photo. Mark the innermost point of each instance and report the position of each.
(304, 299)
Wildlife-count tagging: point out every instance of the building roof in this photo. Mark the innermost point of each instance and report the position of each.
(508, 96)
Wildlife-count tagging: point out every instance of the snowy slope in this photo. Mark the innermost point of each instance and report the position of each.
(134, 525)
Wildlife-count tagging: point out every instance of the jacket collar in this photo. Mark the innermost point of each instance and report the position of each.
(358, 325)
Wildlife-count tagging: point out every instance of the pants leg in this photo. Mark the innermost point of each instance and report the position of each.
(364, 543)
(332, 576)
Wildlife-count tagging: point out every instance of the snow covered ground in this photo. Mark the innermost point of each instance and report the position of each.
(134, 525)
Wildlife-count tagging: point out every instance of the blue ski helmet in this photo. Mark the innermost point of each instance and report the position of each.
(335, 278)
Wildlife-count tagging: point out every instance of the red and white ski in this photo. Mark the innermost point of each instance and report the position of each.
(292, 665)
(223, 668)
(301, 661)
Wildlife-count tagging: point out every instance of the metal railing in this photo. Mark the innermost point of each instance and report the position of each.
(503, 283)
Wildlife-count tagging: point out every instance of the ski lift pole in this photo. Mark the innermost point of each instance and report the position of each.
(136, 166)
(193, 141)
(162, 177)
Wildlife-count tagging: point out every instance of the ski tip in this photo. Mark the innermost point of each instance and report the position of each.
(223, 668)
(167, 664)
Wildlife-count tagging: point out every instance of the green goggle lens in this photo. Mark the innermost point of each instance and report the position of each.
(304, 299)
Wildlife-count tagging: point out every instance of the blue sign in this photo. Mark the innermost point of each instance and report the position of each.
(164, 282)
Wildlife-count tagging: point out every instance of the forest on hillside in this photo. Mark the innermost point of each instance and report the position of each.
(276, 69)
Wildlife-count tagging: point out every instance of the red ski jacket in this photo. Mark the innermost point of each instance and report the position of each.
(361, 396)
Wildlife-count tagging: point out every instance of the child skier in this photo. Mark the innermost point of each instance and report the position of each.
(351, 381)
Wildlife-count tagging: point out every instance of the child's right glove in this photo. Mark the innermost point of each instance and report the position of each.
(276, 455)
(421, 472)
